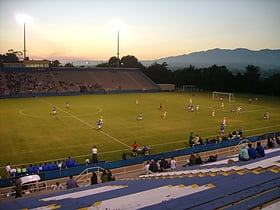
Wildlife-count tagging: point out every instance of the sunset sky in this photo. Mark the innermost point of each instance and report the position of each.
(149, 29)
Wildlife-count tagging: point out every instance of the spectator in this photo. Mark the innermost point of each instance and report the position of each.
(94, 154)
(18, 188)
(57, 186)
(274, 142)
(173, 164)
(8, 170)
(71, 182)
(146, 168)
(243, 155)
(252, 152)
(198, 159)
(269, 143)
(164, 165)
(110, 176)
(153, 167)
(93, 179)
(212, 158)
(104, 176)
(278, 140)
(260, 150)
(192, 160)
(124, 156)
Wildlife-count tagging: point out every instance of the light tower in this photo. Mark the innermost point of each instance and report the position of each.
(24, 42)
(23, 19)
(118, 49)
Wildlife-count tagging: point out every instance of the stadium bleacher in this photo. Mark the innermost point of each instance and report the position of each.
(17, 82)
(245, 185)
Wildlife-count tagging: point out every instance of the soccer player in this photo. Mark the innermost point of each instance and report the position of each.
(164, 114)
(213, 113)
(266, 116)
(67, 105)
(222, 128)
(54, 110)
(99, 125)
(160, 106)
(224, 121)
(140, 117)
(222, 105)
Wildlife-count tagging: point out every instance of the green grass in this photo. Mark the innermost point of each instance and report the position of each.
(30, 134)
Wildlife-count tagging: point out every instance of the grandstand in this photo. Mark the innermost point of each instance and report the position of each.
(19, 82)
(251, 184)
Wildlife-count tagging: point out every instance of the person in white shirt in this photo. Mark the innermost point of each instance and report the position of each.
(172, 163)
(94, 155)
(146, 168)
(8, 169)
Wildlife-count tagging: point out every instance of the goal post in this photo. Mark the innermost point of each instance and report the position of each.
(221, 95)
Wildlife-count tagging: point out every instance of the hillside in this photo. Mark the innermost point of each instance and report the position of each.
(236, 59)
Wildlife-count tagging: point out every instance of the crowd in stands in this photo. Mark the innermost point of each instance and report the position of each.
(30, 83)
(47, 81)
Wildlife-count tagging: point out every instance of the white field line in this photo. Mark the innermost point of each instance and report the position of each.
(89, 125)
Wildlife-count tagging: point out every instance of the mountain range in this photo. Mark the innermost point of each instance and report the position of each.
(234, 60)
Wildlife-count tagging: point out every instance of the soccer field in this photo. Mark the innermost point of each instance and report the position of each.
(31, 134)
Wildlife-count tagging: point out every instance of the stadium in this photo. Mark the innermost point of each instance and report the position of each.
(32, 134)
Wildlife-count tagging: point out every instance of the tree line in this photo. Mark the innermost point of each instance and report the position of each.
(213, 78)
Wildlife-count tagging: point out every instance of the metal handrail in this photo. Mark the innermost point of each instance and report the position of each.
(91, 169)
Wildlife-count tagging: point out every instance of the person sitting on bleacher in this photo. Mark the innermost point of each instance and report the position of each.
(146, 168)
(243, 155)
(252, 152)
(164, 165)
(198, 159)
(153, 166)
(192, 160)
(260, 150)
(212, 158)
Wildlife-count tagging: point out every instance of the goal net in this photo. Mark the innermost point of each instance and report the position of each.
(223, 96)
